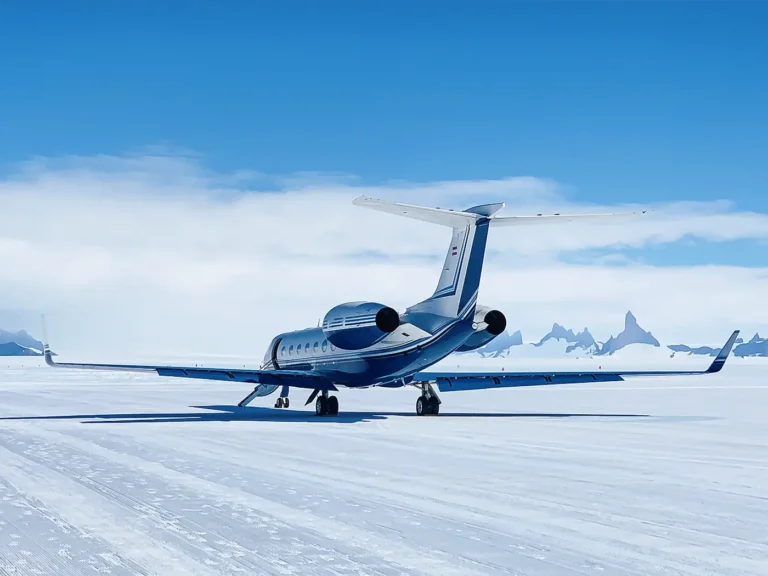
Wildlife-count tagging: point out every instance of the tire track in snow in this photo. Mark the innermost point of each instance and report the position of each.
(633, 546)
(74, 504)
(217, 550)
(363, 542)
(57, 533)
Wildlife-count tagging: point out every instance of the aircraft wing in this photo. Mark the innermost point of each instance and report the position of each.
(458, 381)
(295, 378)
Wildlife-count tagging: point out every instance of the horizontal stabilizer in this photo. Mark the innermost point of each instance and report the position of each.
(442, 216)
(460, 218)
(543, 219)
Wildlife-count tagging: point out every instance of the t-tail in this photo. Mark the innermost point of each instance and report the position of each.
(456, 292)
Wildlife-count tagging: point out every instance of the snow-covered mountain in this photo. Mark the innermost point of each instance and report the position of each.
(632, 334)
(564, 342)
(19, 344)
(13, 349)
(561, 341)
(698, 351)
(22, 338)
(755, 347)
(501, 343)
(583, 342)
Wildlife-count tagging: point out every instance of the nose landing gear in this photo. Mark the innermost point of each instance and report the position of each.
(428, 403)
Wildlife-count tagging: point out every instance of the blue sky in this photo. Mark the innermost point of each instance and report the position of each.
(642, 101)
(140, 113)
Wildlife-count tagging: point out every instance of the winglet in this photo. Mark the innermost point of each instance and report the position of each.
(722, 356)
(46, 347)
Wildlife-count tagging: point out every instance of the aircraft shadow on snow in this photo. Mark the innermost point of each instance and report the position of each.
(222, 413)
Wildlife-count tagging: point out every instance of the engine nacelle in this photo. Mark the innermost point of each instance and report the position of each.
(488, 324)
(357, 325)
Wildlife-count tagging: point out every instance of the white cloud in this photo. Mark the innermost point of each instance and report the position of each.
(154, 252)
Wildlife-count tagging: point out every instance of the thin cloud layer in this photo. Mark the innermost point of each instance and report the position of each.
(156, 253)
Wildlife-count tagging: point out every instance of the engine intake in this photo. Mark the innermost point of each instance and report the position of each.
(356, 325)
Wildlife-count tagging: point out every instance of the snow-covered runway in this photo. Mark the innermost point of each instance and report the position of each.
(130, 474)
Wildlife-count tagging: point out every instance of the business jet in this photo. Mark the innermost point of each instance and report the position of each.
(366, 344)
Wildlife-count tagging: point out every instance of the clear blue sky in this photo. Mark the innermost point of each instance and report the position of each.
(644, 100)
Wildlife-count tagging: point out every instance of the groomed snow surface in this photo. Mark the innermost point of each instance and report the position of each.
(104, 473)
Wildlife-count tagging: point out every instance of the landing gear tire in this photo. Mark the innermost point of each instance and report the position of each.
(282, 403)
(426, 406)
(326, 406)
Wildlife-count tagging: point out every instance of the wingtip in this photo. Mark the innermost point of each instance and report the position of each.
(46, 347)
(725, 351)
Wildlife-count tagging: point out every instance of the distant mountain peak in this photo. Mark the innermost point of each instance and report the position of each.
(583, 340)
(502, 343)
(632, 334)
(755, 347)
(21, 339)
(13, 349)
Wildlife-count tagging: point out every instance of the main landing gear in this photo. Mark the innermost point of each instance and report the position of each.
(428, 403)
(282, 402)
(326, 405)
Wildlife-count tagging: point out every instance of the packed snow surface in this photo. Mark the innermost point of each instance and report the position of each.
(125, 474)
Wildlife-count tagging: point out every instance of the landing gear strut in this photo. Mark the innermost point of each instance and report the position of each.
(428, 402)
(326, 405)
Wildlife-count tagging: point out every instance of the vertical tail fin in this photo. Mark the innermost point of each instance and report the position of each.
(456, 292)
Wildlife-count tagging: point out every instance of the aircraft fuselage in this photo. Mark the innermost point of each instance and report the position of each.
(414, 346)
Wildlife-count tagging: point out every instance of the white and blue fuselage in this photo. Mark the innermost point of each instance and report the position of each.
(417, 343)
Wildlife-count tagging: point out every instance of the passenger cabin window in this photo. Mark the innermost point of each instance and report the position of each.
(282, 351)
(306, 348)
(298, 349)
(333, 348)
(315, 348)
(325, 345)
(290, 350)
